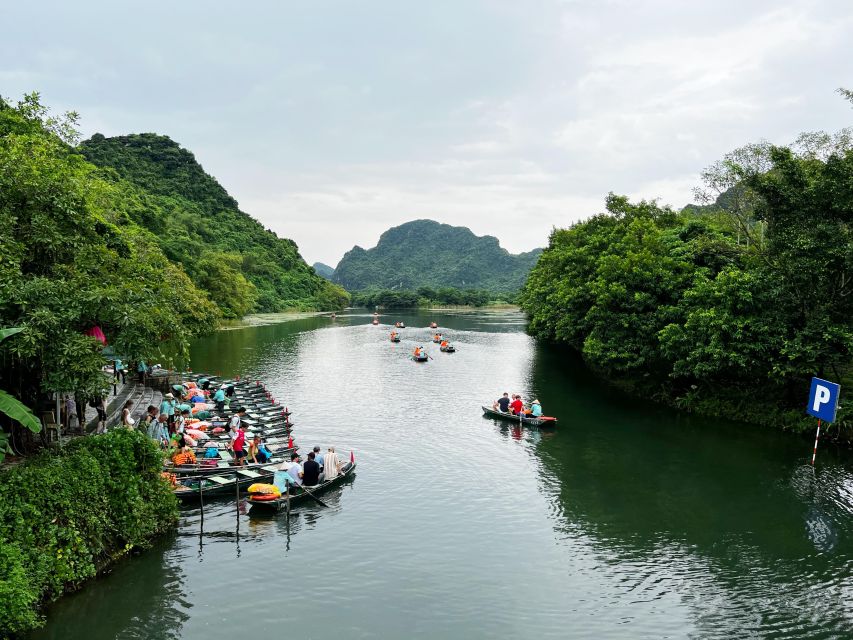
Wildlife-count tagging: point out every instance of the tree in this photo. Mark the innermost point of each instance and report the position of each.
(13, 408)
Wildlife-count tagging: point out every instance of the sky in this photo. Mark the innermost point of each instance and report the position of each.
(332, 121)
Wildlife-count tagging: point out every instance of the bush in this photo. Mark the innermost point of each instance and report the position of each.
(65, 516)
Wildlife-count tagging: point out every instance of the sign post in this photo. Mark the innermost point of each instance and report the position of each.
(823, 405)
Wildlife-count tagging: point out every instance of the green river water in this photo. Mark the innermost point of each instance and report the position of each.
(628, 520)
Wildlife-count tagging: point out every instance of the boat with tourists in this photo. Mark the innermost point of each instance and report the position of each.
(190, 488)
(530, 421)
(400, 325)
(297, 494)
(395, 337)
(447, 348)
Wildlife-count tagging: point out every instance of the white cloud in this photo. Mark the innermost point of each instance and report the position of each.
(333, 122)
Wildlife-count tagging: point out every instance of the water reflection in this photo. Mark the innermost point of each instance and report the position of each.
(153, 602)
(723, 516)
(626, 521)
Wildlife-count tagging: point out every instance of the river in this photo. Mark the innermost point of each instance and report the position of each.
(628, 520)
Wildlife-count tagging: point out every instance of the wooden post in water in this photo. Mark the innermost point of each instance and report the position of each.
(287, 505)
(816, 438)
(201, 497)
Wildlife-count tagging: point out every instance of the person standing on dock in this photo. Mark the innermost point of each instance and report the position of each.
(219, 399)
(168, 407)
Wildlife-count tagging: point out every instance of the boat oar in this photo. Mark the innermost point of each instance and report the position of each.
(305, 489)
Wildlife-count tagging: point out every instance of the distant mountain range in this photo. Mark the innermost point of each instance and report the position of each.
(323, 270)
(425, 253)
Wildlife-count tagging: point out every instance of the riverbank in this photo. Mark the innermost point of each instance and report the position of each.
(67, 515)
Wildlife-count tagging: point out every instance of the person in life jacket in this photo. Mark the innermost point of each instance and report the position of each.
(417, 352)
(444, 343)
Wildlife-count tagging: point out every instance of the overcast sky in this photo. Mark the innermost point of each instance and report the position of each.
(332, 121)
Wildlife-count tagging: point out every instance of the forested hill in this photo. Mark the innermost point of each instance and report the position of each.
(425, 253)
(324, 270)
(241, 265)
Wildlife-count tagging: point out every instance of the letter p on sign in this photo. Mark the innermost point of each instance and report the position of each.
(823, 399)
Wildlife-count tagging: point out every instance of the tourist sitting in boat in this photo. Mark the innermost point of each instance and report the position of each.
(502, 404)
(184, 455)
(437, 337)
(331, 465)
(294, 469)
(444, 344)
(418, 352)
(516, 405)
(311, 471)
(535, 409)
(318, 457)
(258, 453)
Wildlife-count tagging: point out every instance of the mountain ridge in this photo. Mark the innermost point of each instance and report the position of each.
(427, 253)
(243, 266)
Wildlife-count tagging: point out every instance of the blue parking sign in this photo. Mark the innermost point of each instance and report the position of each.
(823, 399)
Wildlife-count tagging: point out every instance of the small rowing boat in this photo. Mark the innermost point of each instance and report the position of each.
(395, 338)
(541, 421)
(298, 494)
(222, 484)
(448, 349)
(421, 358)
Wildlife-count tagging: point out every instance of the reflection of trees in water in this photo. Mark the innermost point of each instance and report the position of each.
(141, 598)
(724, 516)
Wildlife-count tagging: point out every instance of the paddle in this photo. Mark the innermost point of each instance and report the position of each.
(305, 489)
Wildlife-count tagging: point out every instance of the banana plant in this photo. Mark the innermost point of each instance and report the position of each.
(14, 408)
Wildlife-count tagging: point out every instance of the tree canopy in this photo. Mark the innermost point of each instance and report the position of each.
(728, 308)
(71, 257)
(243, 266)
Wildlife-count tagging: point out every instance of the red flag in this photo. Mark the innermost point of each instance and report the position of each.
(290, 443)
(351, 456)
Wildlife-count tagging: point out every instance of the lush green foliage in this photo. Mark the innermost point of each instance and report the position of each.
(427, 297)
(727, 309)
(71, 258)
(13, 408)
(199, 226)
(63, 516)
(423, 253)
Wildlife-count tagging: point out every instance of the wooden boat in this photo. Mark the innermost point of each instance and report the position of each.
(433, 325)
(400, 325)
(421, 358)
(375, 322)
(541, 421)
(448, 349)
(395, 338)
(222, 484)
(298, 494)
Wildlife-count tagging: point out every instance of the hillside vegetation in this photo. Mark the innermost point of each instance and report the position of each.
(424, 253)
(73, 257)
(241, 265)
(725, 309)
